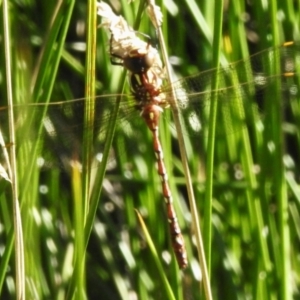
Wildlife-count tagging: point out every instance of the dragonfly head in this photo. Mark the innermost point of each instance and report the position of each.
(139, 63)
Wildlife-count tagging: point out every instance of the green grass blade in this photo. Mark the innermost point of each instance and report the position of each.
(207, 236)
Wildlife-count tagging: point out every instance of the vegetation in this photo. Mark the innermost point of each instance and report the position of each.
(82, 237)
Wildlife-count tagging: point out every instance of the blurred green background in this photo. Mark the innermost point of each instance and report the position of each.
(253, 250)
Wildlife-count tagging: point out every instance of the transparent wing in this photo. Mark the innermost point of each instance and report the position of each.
(245, 90)
(245, 94)
(55, 131)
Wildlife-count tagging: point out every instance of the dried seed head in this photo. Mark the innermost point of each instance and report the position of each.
(155, 14)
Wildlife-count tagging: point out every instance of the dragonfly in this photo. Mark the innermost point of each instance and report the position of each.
(243, 86)
(152, 100)
(145, 89)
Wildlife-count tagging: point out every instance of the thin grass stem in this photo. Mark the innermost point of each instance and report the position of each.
(18, 232)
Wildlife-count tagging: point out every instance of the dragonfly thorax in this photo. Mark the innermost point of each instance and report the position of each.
(146, 90)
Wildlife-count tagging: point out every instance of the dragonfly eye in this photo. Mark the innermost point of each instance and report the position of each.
(139, 64)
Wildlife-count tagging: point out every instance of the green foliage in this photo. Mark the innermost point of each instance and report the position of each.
(82, 238)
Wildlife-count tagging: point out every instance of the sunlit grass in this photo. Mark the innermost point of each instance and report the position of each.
(255, 196)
